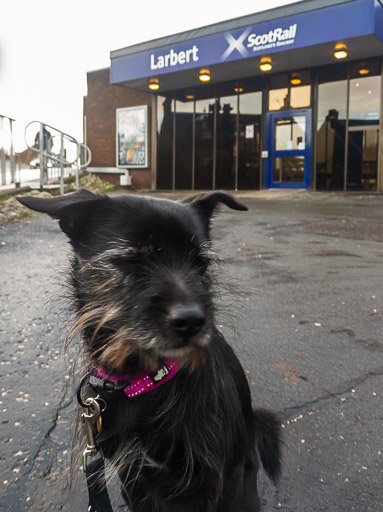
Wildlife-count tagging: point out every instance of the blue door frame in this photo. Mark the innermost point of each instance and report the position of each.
(273, 153)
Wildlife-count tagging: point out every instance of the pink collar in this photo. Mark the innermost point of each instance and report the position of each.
(146, 381)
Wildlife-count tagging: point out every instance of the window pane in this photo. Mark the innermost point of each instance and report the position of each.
(362, 160)
(290, 133)
(250, 103)
(204, 128)
(332, 106)
(283, 135)
(278, 99)
(226, 142)
(332, 100)
(289, 169)
(184, 144)
(250, 110)
(364, 100)
(165, 107)
(300, 96)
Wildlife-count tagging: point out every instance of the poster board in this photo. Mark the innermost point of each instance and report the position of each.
(132, 137)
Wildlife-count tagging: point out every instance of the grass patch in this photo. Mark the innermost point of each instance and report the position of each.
(6, 197)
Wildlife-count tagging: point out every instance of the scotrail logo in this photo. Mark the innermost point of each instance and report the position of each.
(258, 42)
(236, 44)
(273, 38)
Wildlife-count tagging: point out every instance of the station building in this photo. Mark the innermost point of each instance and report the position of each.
(287, 98)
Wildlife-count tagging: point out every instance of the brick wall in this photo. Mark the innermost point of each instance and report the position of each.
(100, 110)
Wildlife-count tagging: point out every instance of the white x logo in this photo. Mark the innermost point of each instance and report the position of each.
(236, 44)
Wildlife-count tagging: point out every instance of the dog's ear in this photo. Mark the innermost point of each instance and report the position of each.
(207, 203)
(71, 210)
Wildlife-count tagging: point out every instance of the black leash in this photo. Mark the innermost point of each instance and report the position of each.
(99, 500)
(106, 391)
(94, 470)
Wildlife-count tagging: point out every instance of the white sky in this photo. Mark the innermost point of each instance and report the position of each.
(47, 46)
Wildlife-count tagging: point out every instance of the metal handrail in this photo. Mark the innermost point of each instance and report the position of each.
(52, 156)
(87, 149)
(79, 164)
(60, 159)
(11, 153)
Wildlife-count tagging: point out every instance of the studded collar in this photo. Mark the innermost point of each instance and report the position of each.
(111, 386)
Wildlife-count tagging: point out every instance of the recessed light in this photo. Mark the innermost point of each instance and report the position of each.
(295, 79)
(265, 64)
(363, 69)
(340, 51)
(154, 84)
(204, 75)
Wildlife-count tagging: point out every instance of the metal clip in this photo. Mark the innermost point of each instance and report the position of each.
(90, 418)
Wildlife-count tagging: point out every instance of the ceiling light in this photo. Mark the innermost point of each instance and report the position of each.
(204, 75)
(295, 79)
(238, 89)
(189, 96)
(363, 69)
(357, 84)
(154, 84)
(265, 64)
(340, 51)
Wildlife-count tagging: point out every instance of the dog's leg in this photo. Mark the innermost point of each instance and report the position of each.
(143, 495)
(240, 491)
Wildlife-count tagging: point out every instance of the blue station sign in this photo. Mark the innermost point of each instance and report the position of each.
(335, 23)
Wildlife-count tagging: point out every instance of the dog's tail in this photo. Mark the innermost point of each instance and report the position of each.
(268, 442)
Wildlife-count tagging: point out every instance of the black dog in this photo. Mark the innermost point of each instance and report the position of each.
(142, 275)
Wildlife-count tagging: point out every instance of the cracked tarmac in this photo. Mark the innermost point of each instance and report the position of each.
(302, 306)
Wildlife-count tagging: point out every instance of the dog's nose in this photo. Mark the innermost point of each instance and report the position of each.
(186, 321)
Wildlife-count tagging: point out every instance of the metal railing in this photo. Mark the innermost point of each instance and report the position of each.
(51, 148)
(3, 158)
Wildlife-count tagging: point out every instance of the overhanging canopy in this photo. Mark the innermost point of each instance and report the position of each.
(296, 36)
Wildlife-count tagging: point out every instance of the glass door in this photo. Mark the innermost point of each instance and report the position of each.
(289, 149)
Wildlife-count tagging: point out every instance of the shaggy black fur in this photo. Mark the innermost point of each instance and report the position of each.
(143, 287)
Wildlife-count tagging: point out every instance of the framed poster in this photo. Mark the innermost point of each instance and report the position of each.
(132, 137)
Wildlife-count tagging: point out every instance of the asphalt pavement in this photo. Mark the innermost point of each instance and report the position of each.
(302, 306)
